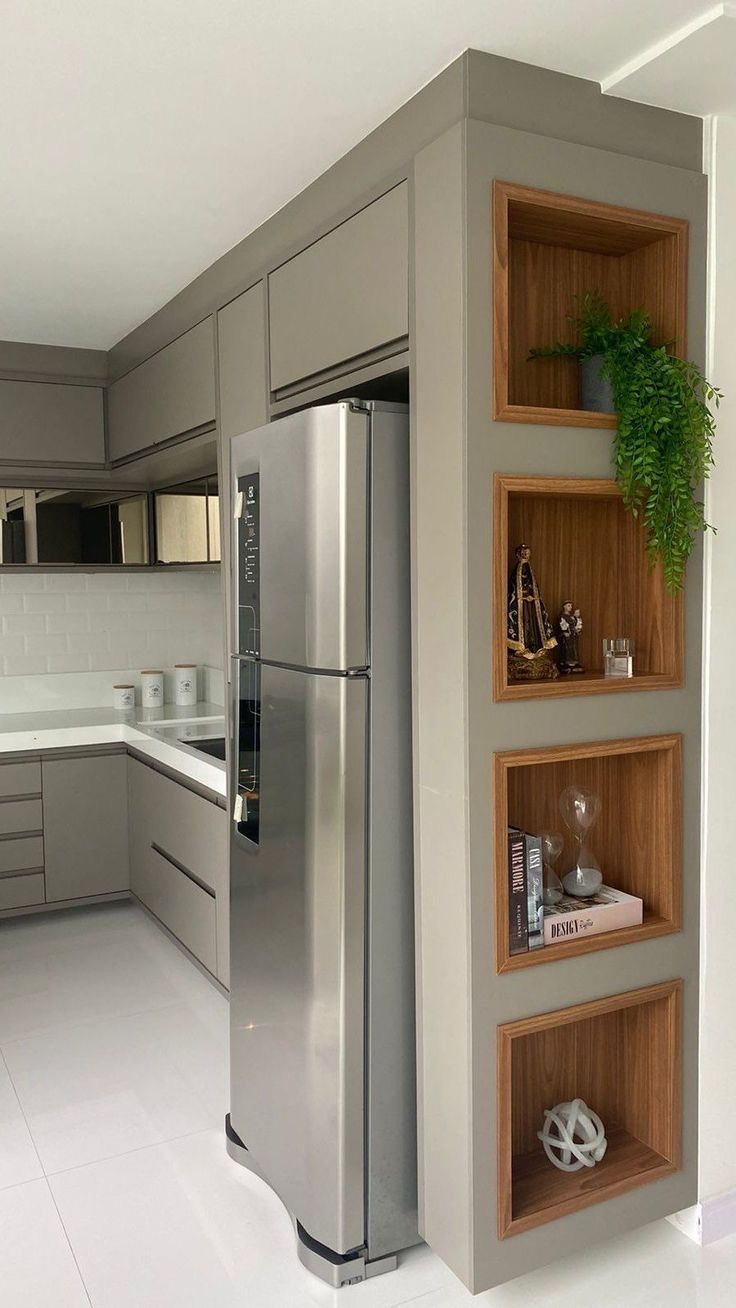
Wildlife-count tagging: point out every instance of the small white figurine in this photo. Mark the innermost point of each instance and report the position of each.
(562, 1148)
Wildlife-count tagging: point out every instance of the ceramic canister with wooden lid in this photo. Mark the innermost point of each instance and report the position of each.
(123, 697)
(185, 684)
(152, 688)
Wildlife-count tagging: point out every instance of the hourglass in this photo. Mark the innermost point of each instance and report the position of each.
(552, 843)
(579, 808)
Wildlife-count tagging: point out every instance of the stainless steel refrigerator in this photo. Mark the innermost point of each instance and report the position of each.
(323, 1096)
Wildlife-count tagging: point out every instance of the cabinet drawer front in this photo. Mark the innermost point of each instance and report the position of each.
(182, 905)
(17, 892)
(343, 296)
(20, 779)
(21, 815)
(191, 829)
(18, 854)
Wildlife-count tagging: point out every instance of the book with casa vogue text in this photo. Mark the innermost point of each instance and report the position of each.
(608, 910)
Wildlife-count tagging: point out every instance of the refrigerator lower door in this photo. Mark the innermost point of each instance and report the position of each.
(297, 943)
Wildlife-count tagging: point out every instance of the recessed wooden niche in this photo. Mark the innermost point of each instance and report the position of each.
(622, 1056)
(586, 548)
(637, 838)
(549, 249)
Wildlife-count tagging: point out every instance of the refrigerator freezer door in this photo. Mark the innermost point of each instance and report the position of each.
(301, 539)
(297, 927)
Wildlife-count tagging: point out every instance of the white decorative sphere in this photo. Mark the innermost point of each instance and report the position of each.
(573, 1136)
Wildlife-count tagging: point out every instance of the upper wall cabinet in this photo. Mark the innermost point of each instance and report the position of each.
(50, 422)
(173, 392)
(343, 297)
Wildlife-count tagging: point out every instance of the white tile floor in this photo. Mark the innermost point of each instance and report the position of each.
(115, 1188)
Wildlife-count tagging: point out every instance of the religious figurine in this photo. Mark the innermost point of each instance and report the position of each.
(569, 627)
(529, 632)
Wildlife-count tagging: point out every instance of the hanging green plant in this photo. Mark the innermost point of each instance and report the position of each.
(663, 449)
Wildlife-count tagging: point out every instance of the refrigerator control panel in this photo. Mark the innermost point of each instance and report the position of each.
(249, 618)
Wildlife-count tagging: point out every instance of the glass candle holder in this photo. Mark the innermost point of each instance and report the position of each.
(618, 657)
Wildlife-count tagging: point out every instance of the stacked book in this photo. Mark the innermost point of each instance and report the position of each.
(532, 924)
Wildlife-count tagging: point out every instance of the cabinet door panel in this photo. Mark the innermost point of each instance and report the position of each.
(46, 422)
(170, 393)
(343, 296)
(85, 802)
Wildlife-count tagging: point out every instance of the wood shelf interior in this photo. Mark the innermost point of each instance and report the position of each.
(548, 251)
(622, 1056)
(586, 548)
(637, 837)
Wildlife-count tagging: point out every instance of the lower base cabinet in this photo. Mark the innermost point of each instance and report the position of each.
(22, 892)
(85, 818)
(178, 863)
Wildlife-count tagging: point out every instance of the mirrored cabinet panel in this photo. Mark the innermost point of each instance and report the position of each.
(91, 527)
(187, 522)
(103, 528)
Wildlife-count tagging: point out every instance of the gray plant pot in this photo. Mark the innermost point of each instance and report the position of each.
(595, 391)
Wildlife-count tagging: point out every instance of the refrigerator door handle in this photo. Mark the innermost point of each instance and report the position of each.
(240, 811)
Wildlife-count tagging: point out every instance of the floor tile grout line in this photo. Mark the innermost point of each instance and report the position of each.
(67, 1237)
(88, 1021)
(22, 1111)
(138, 1149)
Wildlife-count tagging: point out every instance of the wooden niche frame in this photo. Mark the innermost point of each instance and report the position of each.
(638, 838)
(587, 548)
(623, 1056)
(549, 249)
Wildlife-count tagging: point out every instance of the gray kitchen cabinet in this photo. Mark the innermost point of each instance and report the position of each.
(21, 892)
(49, 422)
(184, 906)
(178, 863)
(344, 296)
(241, 348)
(169, 394)
(85, 803)
(21, 854)
(20, 779)
(20, 815)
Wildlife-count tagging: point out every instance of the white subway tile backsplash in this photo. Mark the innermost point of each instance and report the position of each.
(24, 624)
(67, 622)
(57, 623)
(47, 643)
(25, 665)
(88, 642)
(45, 602)
(21, 583)
(67, 663)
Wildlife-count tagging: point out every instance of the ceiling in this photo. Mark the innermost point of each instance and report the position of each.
(691, 70)
(141, 140)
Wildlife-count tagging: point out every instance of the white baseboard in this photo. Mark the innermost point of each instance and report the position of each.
(711, 1220)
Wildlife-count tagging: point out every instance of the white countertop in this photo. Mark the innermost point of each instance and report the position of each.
(156, 733)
